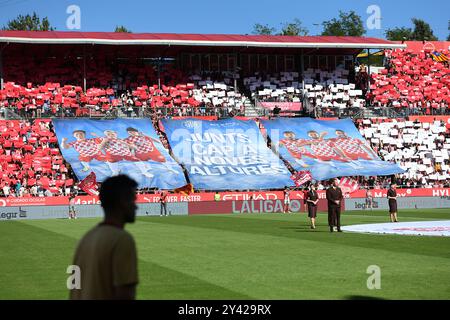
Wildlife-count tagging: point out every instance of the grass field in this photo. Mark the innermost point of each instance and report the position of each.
(260, 256)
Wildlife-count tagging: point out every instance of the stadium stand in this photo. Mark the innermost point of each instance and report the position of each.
(52, 99)
(282, 87)
(412, 82)
(421, 148)
(52, 86)
(104, 71)
(334, 99)
(32, 163)
(30, 160)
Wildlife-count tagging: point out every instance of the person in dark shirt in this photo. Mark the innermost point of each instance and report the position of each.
(106, 256)
(392, 199)
(312, 198)
(334, 197)
(276, 111)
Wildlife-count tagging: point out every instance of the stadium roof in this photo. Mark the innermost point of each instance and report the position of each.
(417, 46)
(172, 39)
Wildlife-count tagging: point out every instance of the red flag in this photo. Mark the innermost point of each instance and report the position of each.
(301, 177)
(89, 184)
(348, 185)
(186, 190)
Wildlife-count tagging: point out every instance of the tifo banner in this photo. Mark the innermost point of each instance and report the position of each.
(225, 155)
(111, 147)
(284, 106)
(327, 149)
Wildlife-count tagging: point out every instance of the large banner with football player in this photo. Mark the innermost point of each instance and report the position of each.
(226, 155)
(326, 148)
(112, 147)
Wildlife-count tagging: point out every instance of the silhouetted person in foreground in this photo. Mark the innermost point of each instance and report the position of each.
(106, 255)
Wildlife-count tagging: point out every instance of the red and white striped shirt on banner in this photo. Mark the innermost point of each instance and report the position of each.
(86, 147)
(296, 148)
(322, 150)
(351, 148)
(117, 147)
(144, 144)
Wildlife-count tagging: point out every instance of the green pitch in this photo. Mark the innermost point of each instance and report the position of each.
(264, 256)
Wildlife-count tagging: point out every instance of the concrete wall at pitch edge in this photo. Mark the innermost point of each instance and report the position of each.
(402, 203)
(209, 207)
(83, 211)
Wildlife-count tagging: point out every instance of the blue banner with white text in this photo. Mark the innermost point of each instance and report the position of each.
(326, 148)
(121, 146)
(226, 155)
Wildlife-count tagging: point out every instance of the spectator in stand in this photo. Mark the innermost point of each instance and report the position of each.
(6, 190)
(276, 111)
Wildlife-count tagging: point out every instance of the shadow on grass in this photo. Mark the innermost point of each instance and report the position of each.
(363, 298)
(305, 229)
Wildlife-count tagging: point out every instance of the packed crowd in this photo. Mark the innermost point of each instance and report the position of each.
(335, 99)
(52, 99)
(411, 82)
(335, 93)
(282, 87)
(421, 148)
(105, 72)
(30, 161)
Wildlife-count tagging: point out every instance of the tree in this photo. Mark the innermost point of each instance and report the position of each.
(122, 29)
(294, 29)
(448, 38)
(399, 34)
(348, 24)
(422, 31)
(29, 23)
(263, 29)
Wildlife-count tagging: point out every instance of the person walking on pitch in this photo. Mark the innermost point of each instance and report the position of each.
(312, 199)
(334, 197)
(287, 200)
(163, 200)
(392, 199)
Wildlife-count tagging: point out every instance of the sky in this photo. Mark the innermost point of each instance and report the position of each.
(227, 16)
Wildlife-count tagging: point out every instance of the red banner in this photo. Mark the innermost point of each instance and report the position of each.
(224, 196)
(301, 177)
(348, 185)
(284, 106)
(89, 184)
